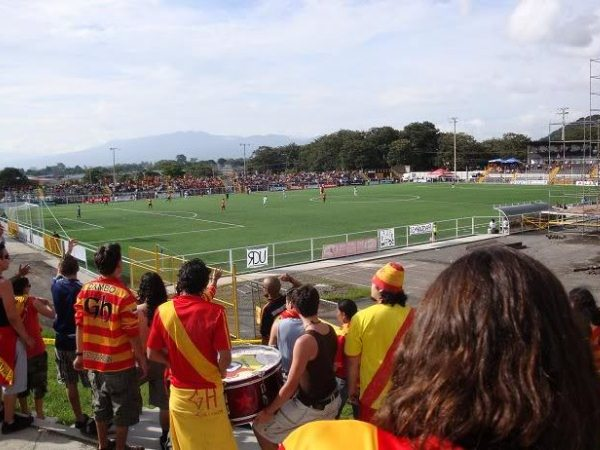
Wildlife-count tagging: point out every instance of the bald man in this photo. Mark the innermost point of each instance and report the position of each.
(275, 303)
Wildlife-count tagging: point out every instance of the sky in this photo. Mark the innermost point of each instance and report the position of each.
(75, 74)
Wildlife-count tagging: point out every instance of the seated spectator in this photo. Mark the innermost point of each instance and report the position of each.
(494, 360)
(286, 330)
(310, 391)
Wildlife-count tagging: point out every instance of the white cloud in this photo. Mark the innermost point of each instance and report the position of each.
(74, 74)
(534, 20)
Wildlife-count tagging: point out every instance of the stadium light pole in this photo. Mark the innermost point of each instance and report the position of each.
(244, 145)
(454, 120)
(563, 112)
(113, 150)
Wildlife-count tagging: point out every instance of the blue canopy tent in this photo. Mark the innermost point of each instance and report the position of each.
(505, 161)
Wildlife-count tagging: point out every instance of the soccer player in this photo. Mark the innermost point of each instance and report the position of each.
(355, 191)
(79, 211)
(149, 203)
(223, 204)
(265, 198)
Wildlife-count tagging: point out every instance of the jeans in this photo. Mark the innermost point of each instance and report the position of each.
(343, 389)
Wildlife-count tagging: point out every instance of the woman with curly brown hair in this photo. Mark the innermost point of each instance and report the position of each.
(494, 360)
(151, 294)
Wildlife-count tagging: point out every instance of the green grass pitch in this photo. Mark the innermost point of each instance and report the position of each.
(193, 225)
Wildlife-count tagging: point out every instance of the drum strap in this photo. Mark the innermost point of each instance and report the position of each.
(176, 331)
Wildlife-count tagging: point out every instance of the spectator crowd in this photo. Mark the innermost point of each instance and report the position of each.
(495, 356)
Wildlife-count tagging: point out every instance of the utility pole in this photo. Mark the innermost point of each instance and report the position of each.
(563, 112)
(454, 120)
(113, 150)
(244, 145)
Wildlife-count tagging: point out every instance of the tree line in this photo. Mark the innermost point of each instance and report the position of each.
(420, 145)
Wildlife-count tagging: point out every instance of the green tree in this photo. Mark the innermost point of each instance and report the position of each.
(291, 154)
(169, 168)
(422, 151)
(398, 152)
(94, 174)
(380, 141)
(515, 145)
(267, 159)
(468, 151)
(199, 169)
(181, 160)
(11, 177)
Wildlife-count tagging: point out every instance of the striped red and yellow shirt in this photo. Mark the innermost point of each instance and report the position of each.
(105, 312)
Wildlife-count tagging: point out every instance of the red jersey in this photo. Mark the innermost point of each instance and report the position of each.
(31, 321)
(105, 312)
(192, 330)
(340, 358)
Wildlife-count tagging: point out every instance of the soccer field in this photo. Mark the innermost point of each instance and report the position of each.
(194, 225)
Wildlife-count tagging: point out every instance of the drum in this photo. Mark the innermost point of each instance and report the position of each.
(252, 382)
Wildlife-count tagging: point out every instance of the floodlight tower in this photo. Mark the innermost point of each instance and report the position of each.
(563, 112)
(113, 150)
(454, 120)
(244, 145)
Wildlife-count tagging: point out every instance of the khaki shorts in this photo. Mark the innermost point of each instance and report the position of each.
(66, 372)
(116, 394)
(292, 415)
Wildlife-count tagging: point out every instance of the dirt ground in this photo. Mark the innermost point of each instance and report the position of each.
(562, 256)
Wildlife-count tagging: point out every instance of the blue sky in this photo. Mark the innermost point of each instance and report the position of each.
(75, 74)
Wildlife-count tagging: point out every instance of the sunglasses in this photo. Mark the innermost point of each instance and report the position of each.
(6, 256)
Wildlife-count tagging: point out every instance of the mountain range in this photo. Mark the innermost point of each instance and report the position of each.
(193, 144)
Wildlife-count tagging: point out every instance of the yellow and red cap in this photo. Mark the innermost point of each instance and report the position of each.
(389, 278)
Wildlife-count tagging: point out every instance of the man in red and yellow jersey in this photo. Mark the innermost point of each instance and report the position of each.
(373, 337)
(109, 346)
(190, 336)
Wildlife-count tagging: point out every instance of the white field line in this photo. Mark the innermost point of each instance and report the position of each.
(182, 217)
(345, 199)
(81, 221)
